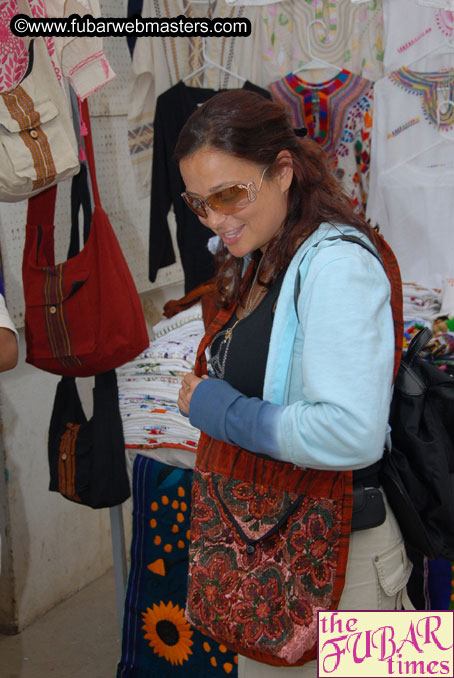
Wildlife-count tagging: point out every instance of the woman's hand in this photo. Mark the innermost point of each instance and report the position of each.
(190, 382)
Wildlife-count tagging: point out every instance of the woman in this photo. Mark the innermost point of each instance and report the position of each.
(302, 371)
(9, 351)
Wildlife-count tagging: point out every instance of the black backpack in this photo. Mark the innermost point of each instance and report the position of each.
(417, 474)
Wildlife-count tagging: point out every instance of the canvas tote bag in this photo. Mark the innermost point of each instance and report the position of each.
(83, 316)
(38, 146)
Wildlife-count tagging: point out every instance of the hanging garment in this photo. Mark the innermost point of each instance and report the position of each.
(252, 2)
(412, 173)
(13, 50)
(411, 31)
(80, 59)
(157, 640)
(443, 4)
(159, 63)
(338, 116)
(352, 38)
(134, 8)
(173, 108)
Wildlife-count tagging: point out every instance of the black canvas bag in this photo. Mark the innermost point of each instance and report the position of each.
(418, 473)
(87, 457)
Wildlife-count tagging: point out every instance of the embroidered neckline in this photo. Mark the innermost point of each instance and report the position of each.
(445, 22)
(425, 85)
(324, 90)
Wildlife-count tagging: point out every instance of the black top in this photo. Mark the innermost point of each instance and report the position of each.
(247, 351)
(173, 108)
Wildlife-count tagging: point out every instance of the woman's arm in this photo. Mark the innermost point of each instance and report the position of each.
(8, 349)
(8, 339)
(341, 381)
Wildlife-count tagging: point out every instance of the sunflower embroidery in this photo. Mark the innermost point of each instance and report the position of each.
(168, 632)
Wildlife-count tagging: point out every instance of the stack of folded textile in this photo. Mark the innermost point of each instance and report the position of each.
(148, 385)
(421, 304)
(423, 308)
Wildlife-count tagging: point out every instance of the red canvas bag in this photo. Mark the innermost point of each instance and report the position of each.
(84, 316)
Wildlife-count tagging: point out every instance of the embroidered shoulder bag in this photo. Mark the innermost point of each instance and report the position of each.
(269, 540)
(266, 550)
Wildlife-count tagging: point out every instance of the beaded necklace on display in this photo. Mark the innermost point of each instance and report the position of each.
(217, 362)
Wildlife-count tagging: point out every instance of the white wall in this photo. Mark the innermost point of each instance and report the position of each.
(53, 546)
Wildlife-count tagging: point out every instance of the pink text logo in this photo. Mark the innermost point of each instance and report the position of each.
(383, 643)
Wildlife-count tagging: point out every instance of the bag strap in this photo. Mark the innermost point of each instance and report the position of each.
(41, 207)
(90, 152)
(389, 262)
(417, 344)
(80, 197)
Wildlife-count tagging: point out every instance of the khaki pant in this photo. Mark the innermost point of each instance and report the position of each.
(377, 573)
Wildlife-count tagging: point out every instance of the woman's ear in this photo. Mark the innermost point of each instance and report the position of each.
(284, 169)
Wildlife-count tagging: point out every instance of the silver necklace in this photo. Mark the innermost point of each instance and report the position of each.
(219, 360)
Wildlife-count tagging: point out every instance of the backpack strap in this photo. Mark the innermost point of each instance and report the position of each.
(417, 344)
(386, 257)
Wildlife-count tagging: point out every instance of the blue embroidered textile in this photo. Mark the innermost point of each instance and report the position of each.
(157, 640)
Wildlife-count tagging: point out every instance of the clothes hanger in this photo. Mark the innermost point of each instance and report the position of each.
(447, 103)
(207, 62)
(444, 48)
(315, 62)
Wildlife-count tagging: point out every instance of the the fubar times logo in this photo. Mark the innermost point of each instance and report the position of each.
(382, 644)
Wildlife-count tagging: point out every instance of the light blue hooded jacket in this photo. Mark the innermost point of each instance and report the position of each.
(328, 379)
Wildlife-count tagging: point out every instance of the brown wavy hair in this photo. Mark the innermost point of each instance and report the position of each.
(249, 126)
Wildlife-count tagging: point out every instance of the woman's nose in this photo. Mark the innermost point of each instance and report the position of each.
(214, 219)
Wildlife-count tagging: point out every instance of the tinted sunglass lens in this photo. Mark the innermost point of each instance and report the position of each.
(196, 205)
(229, 200)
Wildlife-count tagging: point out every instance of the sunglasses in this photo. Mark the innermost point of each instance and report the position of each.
(226, 201)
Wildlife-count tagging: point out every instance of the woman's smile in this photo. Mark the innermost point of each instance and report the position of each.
(229, 237)
(255, 224)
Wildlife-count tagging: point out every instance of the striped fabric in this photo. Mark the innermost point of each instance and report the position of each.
(57, 327)
(67, 462)
(21, 108)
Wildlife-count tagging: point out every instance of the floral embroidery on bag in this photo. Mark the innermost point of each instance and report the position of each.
(262, 562)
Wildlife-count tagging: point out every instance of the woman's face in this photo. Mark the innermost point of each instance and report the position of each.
(209, 170)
